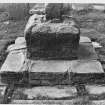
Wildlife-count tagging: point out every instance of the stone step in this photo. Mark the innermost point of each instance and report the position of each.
(59, 102)
(59, 92)
(45, 92)
(95, 89)
(55, 94)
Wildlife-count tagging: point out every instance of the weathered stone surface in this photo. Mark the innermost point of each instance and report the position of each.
(65, 72)
(95, 89)
(50, 27)
(53, 41)
(14, 62)
(86, 66)
(45, 92)
(86, 52)
(59, 102)
(53, 66)
(76, 66)
(84, 39)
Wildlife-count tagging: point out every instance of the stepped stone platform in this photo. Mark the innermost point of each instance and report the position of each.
(48, 72)
(58, 102)
(55, 81)
(56, 95)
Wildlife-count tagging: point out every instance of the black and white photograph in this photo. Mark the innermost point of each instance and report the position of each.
(52, 53)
